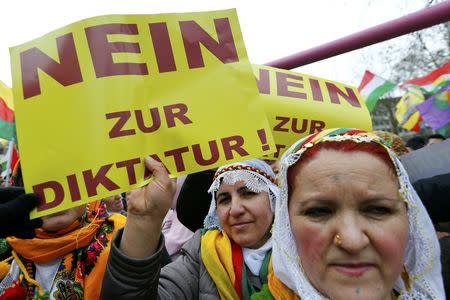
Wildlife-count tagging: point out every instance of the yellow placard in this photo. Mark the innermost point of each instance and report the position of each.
(95, 97)
(297, 105)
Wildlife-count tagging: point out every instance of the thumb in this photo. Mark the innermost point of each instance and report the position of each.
(155, 167)
(159, 171)
(162, 182)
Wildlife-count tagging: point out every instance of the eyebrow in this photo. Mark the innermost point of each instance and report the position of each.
(322, 199)
(316, 200)
(366, 200)
(242, 189)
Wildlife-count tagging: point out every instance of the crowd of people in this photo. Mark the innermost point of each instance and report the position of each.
(335, 218)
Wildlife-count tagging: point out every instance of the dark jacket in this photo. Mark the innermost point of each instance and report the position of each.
(185, 278)
(435, 195)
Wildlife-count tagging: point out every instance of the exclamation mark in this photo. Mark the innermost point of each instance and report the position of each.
(263, 138)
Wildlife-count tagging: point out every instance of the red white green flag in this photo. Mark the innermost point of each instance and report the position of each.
(7, 126)
(372, 87)
(11, 160)
(432, 82)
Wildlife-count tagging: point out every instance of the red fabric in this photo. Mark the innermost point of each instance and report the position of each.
(416, 127)
(14, 158)
(368, 76)
(6, 114)
(236, 251)
(354, 132)
(307, 140)
(429, 78)
(15, 292)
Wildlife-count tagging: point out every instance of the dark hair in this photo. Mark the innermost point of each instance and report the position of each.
(344, 146)
(435, 136)
(416, 142)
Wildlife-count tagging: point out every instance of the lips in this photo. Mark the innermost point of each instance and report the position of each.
(240, 225)
(353, 269)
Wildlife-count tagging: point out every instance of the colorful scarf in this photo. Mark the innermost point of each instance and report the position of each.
(224, 262)
(84, 247)
(393, 141)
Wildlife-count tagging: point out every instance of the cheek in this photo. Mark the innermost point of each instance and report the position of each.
(78, 212)
(311, 243)
(259, 208)
(265, 212)
(222, 213)
(390, 244)
(266, 219)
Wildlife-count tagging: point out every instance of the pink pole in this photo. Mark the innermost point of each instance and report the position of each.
(436, 14)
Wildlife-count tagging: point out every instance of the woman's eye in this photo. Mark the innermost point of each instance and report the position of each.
(317, 212)
(379, 210)
(223, 200)
(249, 193)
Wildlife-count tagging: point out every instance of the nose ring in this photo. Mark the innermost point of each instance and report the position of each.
(337, 240)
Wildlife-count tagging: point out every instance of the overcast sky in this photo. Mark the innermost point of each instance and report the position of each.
(271, 29)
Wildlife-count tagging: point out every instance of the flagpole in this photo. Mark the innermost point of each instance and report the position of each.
(427, 17)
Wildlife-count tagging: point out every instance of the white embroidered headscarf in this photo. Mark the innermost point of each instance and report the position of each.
(258, 177)
(422, 259)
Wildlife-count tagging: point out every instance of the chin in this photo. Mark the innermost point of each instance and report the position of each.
(242, 241)
(62, 219)
(248, 243)
(357, 293)
(56, 223)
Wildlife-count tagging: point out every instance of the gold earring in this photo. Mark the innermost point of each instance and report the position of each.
(337, 240)
(406, 279)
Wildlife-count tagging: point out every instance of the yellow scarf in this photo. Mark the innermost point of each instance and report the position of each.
(217, 256)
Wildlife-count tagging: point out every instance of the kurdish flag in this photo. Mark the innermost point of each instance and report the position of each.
(372, 87)
(7, 127)
(431, 82)
(436, 110)
(406, 112)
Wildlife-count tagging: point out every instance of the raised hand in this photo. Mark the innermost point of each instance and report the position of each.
(154, 199)
(147, 207)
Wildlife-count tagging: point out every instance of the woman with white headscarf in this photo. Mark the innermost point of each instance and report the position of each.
(229, 259)
(349, 225)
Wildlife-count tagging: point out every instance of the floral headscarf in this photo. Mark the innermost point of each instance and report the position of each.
(393, 141)
(422, 259)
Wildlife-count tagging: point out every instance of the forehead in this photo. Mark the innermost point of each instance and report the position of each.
(226, 187)
(343, 158)
(329, 166)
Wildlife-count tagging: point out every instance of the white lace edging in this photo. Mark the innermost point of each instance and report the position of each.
(253, 181)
